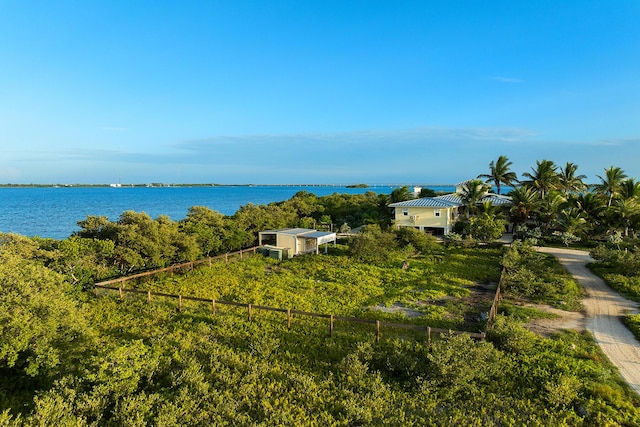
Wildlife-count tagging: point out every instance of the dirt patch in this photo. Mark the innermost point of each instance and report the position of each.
(472, 308)
(397, 308)
(565, 320)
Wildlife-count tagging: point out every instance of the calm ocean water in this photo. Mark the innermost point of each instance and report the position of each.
(54, 212)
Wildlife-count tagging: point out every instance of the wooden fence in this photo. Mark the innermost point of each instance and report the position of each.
(289, 312)
(213, 303)
(185, 265)
(493, 311)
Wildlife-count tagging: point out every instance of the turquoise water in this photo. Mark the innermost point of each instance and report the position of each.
(54, 212)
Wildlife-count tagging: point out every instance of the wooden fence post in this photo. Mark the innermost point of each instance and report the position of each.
(180, 303)
(377, 330)
(95, 291)
(226, 258)
(240, 254)
(429, 336)
(149, 297)
(331, 326)
(249, 313)
(120, 290)
(213, 307)
(289, 318)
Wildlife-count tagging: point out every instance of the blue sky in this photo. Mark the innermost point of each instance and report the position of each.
(423, 92)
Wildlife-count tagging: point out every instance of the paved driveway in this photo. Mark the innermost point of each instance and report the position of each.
(604, 310)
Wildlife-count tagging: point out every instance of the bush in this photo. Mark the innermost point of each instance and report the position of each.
(372, 244)
(420, 240)
(484, 227)
(539, 277)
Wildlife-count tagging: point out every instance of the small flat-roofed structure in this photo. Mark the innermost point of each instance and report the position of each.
(296, 240)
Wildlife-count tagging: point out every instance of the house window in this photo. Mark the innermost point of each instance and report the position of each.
(405, 211)
(436, 212)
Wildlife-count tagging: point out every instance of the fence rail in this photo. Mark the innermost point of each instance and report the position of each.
(190, 265)
(379, 324)
(493, 311)
(289, 312)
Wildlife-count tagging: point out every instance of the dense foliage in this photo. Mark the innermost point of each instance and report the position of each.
(619, 267)
(105, 362)
(538, 277)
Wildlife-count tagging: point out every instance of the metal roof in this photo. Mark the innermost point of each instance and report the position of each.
(426, 202)
(451, 198)
(497, 199)
(303, 232)
(319, 234)
(450, 201)
(290, 231)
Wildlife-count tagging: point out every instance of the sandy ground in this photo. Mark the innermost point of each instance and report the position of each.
(565, 320)
(604, 309)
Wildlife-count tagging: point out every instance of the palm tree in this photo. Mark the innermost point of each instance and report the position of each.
(626, 212)
(610, 183)
(573, 221)
(629, 189)
(524, 202)
(543, 178)
(569, 181)
(471, 192)
(486, 207)
(592, 205)
(549, 208)
(401, 194)
(500, 173)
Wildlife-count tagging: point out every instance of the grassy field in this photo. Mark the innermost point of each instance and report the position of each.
(447, 291)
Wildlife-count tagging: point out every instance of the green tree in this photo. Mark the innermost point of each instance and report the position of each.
(548, 209)
(569, 180)
(500, 173)
(471, 192)
(97, 227)
(610, 183)
(524, 203)
(372, 244)
(142, 242)
(400, 194)
(485, 227)
(629, 189)
(543, 177)
(420, 240)
(83, 260)
(573, 221)
(626, 212)
(42, 331)
(207, 226)
(593, 206)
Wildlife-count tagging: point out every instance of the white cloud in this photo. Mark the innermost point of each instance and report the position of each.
(363, 137)
(507, 79)
(617, 142)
